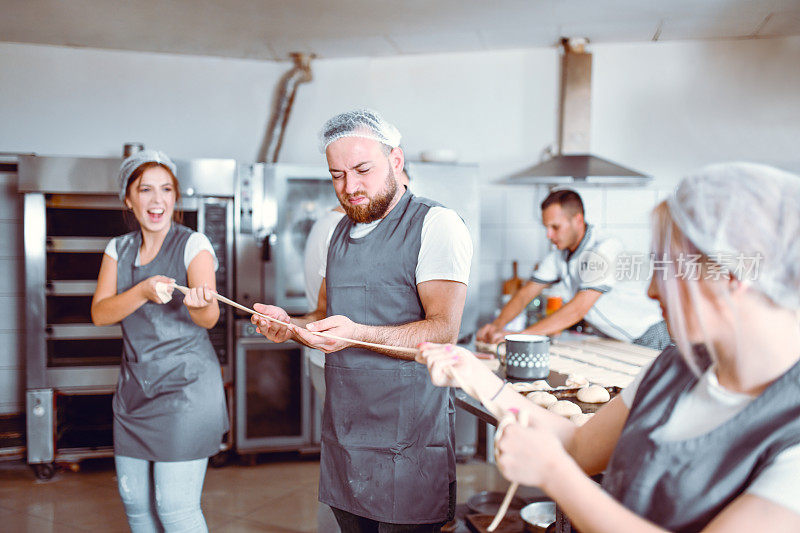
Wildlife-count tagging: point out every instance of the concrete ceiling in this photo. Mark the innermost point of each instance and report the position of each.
(271, 29)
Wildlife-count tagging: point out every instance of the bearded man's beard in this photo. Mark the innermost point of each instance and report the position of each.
(375, 208)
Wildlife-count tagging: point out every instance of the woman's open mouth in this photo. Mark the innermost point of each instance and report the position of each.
(155, 215)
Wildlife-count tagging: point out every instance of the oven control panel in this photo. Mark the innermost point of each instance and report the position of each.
(244, 328)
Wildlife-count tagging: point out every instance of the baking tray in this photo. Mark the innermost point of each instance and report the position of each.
(488, 502)
(512, 523)
(572, 395)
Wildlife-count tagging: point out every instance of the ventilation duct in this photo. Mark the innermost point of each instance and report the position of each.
(287, 89)
(573, 164)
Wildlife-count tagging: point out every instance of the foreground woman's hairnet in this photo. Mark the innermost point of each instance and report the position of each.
(364, 123)
(742, 211)
(744, 218)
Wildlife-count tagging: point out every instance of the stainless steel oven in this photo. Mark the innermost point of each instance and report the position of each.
(279, 204)
(273, 394)
(71, 210)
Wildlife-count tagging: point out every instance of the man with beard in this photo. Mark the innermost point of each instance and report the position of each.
(314, 256)
(395, 274)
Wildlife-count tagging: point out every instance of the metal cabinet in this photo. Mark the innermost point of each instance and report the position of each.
(279, 204)
(273, 394)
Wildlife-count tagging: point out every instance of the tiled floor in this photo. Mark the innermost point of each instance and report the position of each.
(276, 495)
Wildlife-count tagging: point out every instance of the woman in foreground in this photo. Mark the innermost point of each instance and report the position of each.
(169, 406)
(707, 438)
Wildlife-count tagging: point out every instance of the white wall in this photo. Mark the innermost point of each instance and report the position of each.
(63, 101)
(663, 108)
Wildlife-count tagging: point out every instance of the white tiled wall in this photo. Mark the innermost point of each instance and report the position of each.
(628, 206)
(511, 228)
(12, 368)
(594, 202)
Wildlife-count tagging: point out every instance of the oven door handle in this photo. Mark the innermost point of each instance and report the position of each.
(266, 248)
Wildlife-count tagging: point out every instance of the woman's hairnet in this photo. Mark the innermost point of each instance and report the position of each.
(364, 123)
(138, 159)
(746, 218)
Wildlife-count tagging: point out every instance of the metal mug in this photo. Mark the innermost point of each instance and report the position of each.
(527, 356)
(538, 516)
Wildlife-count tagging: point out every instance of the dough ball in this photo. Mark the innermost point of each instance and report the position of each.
(522, 386)
(581, 419)
(565, 408)
(593, 394)
(541, 385)
(526, 386)
(576, 380)
(542, 398)
(163, 291)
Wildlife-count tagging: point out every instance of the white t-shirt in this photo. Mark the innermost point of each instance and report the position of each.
(195, 243)
(709, 405)
(315, 254)
(445, 251)
(623, 312)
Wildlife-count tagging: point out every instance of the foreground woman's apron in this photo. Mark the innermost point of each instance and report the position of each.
(682, 485)
(387, 432)
(169, 404)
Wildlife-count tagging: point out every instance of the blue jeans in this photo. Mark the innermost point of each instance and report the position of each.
(162, 496)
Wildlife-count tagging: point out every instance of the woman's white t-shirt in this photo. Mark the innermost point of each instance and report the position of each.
(709, 405)
(194, 245)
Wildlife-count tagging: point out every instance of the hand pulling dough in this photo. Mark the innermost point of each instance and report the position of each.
(593, 394)
(163, 292)
(565, 408)
(542, 398)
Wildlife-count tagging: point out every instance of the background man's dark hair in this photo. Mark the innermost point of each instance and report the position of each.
(568, 199)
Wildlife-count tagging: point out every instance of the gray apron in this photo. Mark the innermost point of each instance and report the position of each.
(387, 432)
(682, 485)
(169, 404)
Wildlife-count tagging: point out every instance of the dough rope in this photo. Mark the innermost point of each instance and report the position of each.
(504, 418)
(161, 289)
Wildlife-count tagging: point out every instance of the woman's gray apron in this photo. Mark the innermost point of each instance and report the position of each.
(387, 432)
(682, 485)
(169, 404)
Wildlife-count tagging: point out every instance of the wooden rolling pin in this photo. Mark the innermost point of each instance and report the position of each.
(164, 296)
(514, 283)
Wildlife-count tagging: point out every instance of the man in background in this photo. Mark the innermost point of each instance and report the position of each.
(584, 263)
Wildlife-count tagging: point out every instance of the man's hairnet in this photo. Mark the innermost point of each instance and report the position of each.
(744, 215)
(364, 123)
(138, 159)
